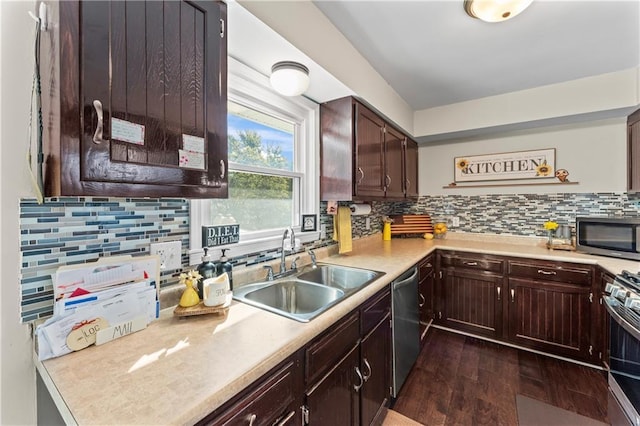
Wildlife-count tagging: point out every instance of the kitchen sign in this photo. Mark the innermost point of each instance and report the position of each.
(220, 235)
(537, 164)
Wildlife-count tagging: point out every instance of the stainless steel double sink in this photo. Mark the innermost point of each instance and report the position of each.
(307, 294)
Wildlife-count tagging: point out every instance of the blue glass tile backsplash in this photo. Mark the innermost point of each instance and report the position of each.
(72, 230)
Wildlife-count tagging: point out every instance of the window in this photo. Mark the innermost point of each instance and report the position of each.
(273, 172)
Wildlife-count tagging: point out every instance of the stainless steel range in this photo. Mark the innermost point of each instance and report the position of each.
(622, 300)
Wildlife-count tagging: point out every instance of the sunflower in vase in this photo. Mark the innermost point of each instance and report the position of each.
(550, 226)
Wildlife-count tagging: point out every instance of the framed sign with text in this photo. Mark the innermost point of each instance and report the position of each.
(219, 235)
(535, 164)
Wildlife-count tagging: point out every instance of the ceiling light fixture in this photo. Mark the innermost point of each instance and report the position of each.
(289, 78)
(495, 10)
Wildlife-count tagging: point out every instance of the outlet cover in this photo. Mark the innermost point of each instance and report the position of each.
(455, 221)
(170, 254)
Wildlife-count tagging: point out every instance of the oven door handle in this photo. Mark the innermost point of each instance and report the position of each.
(609, 303)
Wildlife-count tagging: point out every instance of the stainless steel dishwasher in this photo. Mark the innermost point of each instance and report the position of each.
(406, 326)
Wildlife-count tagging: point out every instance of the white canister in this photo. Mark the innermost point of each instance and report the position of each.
(215, 290)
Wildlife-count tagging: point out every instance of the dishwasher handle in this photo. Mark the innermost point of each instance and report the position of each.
(403, 282)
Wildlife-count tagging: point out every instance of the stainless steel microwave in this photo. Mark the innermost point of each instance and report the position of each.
(609, 236)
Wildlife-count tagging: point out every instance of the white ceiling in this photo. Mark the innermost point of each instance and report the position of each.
(432, 53)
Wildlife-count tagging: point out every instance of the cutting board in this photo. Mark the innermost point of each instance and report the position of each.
(411, 224)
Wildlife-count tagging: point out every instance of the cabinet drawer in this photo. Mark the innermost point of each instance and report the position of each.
(478, 262)
(326, 350)
(269, 401)
(374, 310)
(551, 271)
(426, 267)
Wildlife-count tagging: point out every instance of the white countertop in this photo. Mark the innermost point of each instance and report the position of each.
(177, 371)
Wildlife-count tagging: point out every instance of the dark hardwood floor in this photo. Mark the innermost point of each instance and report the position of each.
(467, 381)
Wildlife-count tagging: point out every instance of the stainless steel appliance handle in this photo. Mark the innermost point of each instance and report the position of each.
(609, 303)
(406, 281)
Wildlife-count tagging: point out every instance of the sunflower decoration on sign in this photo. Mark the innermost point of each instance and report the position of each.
(543, 169)
(462, 164)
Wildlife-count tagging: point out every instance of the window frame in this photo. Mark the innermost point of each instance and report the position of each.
(252, 89)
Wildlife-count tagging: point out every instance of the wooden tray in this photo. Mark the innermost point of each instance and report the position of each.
(411, 224)
(201, 309)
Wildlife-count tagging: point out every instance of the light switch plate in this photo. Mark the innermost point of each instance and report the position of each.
(170, 254)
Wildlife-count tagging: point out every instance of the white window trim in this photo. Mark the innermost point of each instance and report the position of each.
(250, 86)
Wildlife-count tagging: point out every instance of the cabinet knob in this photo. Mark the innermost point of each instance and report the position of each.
(98, 135)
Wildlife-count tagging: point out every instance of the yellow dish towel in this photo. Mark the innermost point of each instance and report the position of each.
(342, 229)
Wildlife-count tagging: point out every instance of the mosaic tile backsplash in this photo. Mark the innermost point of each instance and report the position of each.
(66, 231)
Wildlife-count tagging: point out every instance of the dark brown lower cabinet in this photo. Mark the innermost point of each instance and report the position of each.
(274, 399)
(551, 317)
(472, 302)
(426, 296)
(334, 400)
(375, 351)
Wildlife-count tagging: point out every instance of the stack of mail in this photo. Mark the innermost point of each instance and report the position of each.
(91, 298)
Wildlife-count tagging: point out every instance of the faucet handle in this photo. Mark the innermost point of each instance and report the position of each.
(313, 258)
(269, 269)
(294, 266)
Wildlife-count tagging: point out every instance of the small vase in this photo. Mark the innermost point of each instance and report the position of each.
(550, 239)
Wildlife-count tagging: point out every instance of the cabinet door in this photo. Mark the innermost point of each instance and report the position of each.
(394, 163)
(376, 369)
(153, 98)
(427, 294)
(369, 143)
(334, 400)
(551, 317)
(472, 302)
(411, 169)
(633, 151)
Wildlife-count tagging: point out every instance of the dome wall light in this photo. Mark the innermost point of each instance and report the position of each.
(495, 10)
(289, 78)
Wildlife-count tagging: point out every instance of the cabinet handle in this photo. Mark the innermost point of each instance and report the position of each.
(223, 169)
(357, 387)
(286, 419)
(252, 419)
(408, 184)
(498, 288)
(543, 272)
(513, 295)
(387, 179)
(429, 265)
(221, 28)
(361, 175)
(470, 263)
(421, 304)
(366, 364)
(97, 136)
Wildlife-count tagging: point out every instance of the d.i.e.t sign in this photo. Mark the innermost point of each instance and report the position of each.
(220, 235)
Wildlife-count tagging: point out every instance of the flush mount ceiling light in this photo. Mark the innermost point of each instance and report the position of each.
(289, 78)
(495, 10)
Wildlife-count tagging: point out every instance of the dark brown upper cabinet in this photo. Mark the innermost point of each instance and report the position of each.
(633, 152)
(136, 99)
(363, 156)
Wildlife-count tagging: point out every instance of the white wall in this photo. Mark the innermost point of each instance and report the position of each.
(594, 153)
(17, 373)
(307, 28)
